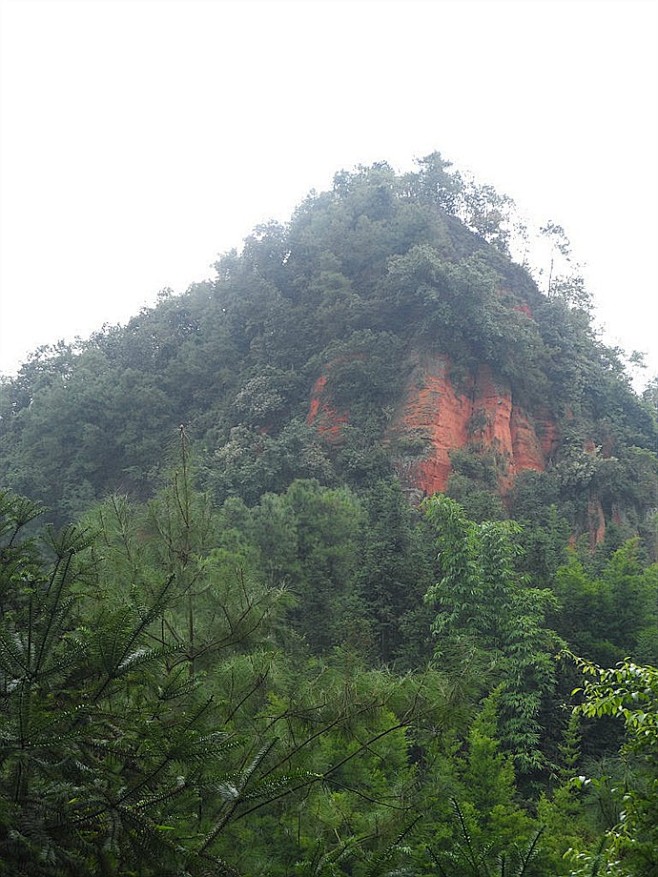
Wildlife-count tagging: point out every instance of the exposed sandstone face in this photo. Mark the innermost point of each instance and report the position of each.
(479, 413)
(436, 417)
(323, 416)
(431, 410)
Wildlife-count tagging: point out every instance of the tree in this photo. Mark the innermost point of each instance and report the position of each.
(469, 857)
(629, 692)
(486, 611)
(650, 396)
(104, 744)
(116, 754)
(392, 576)
(613, 614)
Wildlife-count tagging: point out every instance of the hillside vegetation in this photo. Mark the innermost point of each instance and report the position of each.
(359, 522)
(364, 282)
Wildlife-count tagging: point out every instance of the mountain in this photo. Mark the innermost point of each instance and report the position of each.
(270, 654)
(384, 332)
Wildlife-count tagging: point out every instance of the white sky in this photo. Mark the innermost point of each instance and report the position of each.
(141, 138)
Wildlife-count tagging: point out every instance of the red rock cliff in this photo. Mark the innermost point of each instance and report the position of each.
(441, 417)
(480, 413)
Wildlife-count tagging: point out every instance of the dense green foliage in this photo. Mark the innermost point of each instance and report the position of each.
(253, 655)
(167, 708)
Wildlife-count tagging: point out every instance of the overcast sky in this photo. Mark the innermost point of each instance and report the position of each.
(142, 138)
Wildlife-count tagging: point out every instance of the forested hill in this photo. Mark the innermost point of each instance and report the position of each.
(360, 523)
(383, 332)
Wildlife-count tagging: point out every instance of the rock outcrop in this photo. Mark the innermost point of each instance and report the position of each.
(323, 416)
(436, 416)
(479, 413)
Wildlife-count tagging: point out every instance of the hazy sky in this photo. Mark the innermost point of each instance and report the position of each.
(141, 138)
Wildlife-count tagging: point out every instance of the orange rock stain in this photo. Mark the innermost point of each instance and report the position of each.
(323, 416)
